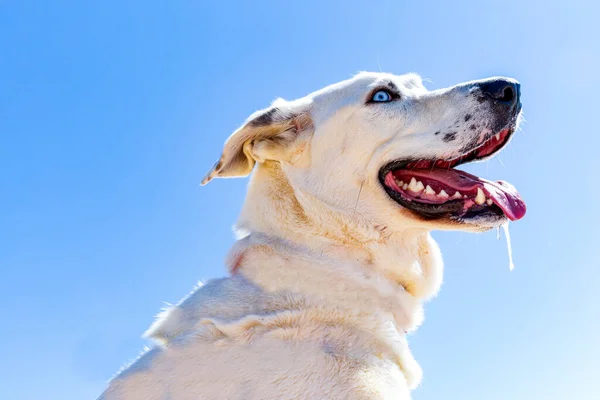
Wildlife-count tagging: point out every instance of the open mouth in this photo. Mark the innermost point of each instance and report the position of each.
(434, 189)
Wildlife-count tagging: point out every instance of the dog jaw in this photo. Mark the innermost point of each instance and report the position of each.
(273, 208)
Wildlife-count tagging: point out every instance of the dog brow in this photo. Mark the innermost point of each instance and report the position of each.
(393, 86)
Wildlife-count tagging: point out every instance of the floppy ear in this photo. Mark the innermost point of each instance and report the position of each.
(264, 136)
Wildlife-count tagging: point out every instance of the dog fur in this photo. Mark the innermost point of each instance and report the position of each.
(328, 273)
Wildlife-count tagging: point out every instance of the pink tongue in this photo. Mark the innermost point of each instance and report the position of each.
(503, 194)
(506, 197)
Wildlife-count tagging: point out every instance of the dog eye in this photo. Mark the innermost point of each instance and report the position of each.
(381, 96)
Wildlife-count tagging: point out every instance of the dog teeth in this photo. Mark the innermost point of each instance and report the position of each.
(497, 136)
(412, 186)
(416, 186)
(489, 202)
(480, 198)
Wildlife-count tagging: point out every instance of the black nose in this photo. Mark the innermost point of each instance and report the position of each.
(502, 90)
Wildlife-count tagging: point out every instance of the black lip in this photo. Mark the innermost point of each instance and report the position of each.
(450, 209)
(470, 153)
(470, 156)
(427, 211)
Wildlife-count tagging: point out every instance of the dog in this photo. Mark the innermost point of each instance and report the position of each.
(333, 258)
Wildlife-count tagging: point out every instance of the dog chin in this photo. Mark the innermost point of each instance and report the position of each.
(477, 223)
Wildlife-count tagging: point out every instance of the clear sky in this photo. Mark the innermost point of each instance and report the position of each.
(111, 112)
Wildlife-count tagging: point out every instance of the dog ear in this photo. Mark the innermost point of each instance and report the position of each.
(263, 136)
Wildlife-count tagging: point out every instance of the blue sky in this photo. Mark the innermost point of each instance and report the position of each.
(111, 111)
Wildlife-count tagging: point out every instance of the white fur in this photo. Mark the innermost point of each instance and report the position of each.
(328, 273)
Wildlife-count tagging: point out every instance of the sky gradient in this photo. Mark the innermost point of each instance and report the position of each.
(111, 112)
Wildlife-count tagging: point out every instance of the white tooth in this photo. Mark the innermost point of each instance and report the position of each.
(489, 202)
(497, 136)
(443, 194)
(413, 185)
(399, 183)
(405, 186)
(457, 195)
(429, 190)
(480, 198)
(420, 186)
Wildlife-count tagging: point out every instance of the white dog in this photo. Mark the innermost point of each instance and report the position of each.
(334, 257)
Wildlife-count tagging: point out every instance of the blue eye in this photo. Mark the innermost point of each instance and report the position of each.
(381, 96)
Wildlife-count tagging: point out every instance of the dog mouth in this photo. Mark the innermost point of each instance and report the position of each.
(435, 189)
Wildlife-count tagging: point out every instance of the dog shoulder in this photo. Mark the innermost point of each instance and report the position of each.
(226, 299)
(272, 369)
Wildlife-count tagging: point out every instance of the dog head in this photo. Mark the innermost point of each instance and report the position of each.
(384, 147)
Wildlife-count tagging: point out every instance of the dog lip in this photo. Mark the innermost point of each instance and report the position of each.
(500, 201)
(470, 155)
(439, 186)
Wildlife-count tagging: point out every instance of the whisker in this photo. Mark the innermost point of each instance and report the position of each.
(355, 206)
(358, 197)
(501, 163)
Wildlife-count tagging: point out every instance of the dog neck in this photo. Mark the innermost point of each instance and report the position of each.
(353, 271)
(288, 225)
